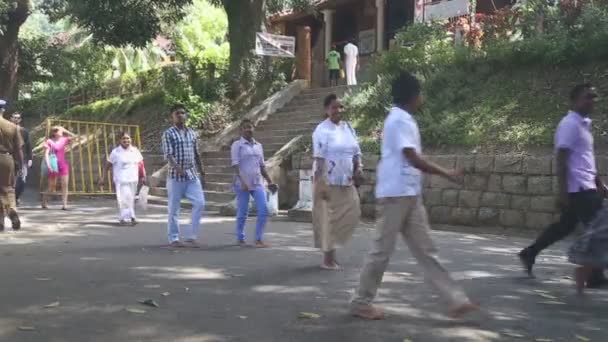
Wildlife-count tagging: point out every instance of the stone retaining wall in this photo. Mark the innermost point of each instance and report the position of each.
(503, 190)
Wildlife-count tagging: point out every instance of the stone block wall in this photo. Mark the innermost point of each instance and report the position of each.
(504, 190)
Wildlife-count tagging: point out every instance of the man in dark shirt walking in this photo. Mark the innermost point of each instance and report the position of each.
(16, 118)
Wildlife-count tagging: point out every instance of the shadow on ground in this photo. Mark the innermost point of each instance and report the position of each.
(92, 273)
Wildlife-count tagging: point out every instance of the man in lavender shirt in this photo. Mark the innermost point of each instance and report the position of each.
(248, 161)
(580, 189)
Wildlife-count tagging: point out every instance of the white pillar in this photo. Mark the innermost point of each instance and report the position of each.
(328, 19)
(380, 17)
(305, 200)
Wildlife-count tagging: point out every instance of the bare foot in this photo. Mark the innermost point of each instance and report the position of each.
(462, 310)
(261, 244)
(369, 312)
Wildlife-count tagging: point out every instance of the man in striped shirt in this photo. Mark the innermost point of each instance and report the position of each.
(180, 151)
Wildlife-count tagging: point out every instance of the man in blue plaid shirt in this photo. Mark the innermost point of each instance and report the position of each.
(180, 151)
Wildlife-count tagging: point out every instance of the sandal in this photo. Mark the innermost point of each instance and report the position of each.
(369, 312)
(462, 310)
(333, 267)
(175, 244)
(191, 243)
(261, 244)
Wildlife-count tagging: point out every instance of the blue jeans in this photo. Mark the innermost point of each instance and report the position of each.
(242, 211)
(193, 191)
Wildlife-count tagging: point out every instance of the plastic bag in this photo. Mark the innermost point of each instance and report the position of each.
(272, 203)
(143, 197)
(342, 74)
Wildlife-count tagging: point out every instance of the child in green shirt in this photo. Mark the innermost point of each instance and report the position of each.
(333, 64)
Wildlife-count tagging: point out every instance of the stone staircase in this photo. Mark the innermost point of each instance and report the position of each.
(299, 117)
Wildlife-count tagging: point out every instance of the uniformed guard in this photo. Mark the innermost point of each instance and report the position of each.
(11, 156)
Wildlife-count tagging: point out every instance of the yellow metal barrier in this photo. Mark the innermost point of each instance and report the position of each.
(87, 154)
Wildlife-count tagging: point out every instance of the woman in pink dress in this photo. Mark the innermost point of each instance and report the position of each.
(56, 145)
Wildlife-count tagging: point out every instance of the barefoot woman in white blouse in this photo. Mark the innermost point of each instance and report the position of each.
(336, 209)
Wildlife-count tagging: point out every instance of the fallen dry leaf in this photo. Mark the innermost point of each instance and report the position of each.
(52, 305)
(513, 334)
(242, 317)
(26, 328)
(548, 296)
(552, 302)
(135, 310)
(166, 294)
(308, 315)
(582, 338)
(149, 302)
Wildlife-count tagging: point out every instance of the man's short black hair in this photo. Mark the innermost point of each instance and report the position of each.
(329, 99)
(177, 107)
(405, 88)
(246, 122)
(578, 90)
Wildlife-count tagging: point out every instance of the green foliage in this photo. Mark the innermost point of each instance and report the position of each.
(118, 23)
(506, 92)
(200, 38)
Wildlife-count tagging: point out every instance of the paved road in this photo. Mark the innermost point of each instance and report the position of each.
(93, 273)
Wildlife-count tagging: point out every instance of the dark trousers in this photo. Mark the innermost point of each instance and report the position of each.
(581, 209)
(19, 187)
(334, 76)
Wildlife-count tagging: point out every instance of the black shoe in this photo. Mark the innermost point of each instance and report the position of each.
(597, 280)
(15, 220)
(527, 260)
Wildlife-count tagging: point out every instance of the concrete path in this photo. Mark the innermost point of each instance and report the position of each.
(91, 275)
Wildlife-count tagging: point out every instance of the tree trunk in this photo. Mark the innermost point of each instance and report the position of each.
(9, 49)
(244, 20)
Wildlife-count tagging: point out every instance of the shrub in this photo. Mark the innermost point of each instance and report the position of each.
(506, 87)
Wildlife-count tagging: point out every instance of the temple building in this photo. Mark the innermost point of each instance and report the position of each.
(371, 23)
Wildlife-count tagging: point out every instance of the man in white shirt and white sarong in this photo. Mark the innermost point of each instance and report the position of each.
(351, 51)
(124, 161)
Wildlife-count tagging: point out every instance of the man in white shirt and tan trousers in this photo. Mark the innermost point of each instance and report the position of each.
(399, 194)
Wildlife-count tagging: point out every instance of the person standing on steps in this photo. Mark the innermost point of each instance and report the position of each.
(581, 190)
(247, 157)
(125, 160)
(402, 212)
(179, 145)
(333, 61)
(338, 170)
(351, 51)
(27, 155)
(11, 159)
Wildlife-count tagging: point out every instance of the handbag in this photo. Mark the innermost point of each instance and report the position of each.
(53, 163)
(342, 74)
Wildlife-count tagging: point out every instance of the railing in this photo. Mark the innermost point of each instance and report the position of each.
(87, 154)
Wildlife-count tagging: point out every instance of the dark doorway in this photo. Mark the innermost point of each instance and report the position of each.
(399, 13)
(345, 25)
